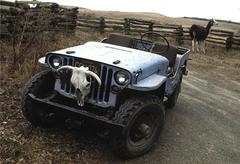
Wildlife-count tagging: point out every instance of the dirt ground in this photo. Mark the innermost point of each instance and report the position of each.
(202, 128)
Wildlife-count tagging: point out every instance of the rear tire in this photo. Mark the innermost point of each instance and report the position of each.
(144, 118)
(38, 114)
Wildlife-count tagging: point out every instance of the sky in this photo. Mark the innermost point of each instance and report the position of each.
(218, 9)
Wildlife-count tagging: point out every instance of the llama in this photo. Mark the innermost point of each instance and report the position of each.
(199, 34)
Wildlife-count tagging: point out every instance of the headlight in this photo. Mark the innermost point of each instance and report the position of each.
(121, 77)
(55, 61)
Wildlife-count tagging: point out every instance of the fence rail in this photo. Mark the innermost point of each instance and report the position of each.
(181, 33)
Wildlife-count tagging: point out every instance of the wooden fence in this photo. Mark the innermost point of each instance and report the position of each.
(56, 17)
(178, 32)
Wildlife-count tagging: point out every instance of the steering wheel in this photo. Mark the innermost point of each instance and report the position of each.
(154, 40)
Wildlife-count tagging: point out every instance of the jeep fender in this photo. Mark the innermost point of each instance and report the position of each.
(42, 62)
(150, 83)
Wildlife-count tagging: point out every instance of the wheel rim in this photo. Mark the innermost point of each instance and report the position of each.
(143, 129)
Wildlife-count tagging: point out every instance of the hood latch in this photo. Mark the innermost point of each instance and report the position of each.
(136, 75)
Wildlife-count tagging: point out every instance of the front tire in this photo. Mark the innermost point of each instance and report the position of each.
(38, 114)
(144, 118)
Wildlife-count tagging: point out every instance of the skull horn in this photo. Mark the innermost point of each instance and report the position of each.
(95, 76)
(65, 67)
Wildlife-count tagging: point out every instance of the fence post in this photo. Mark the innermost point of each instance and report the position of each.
(74, 19)
(180, 35)
(229, 41)
(150, 27)
(102, 24)
(126, 26)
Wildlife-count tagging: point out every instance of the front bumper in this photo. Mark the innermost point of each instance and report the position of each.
(81, 112)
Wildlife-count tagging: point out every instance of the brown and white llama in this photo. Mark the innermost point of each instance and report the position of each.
(199, 34)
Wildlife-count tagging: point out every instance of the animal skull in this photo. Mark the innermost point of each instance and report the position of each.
(80, 81)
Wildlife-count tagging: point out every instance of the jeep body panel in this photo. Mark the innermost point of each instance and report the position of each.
(130, 59)
(147, 71)
(152, 66)
(150, 83)
(180, 64)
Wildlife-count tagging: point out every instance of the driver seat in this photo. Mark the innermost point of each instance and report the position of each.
(170, 54)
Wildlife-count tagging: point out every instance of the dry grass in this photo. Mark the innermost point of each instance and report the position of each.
(27, 63)
(218, 62)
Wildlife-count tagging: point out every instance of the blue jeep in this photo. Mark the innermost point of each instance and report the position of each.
(122, 81)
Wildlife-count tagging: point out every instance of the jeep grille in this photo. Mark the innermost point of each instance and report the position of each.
(99, 95)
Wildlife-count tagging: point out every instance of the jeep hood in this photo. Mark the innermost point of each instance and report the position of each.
(122, 57)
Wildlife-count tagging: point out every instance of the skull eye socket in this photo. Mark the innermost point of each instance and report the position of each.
(89, 78)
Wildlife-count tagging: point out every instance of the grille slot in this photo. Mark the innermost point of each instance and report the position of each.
(103, 79)
(108, 86)
(95, 91)
(65, 61)
(98, 93)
